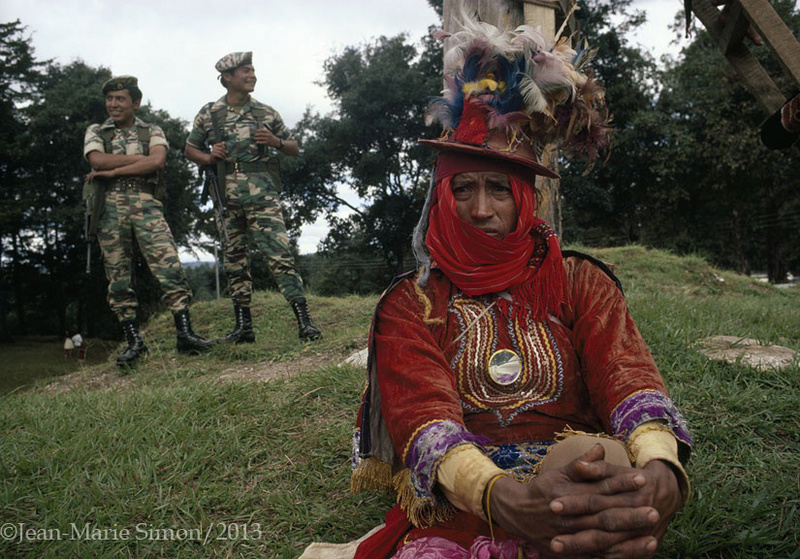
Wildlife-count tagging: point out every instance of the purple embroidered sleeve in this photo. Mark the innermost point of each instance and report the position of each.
(645, 406)
(432, 443)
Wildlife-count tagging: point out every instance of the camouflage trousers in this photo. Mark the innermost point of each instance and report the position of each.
(131, 217)
(265, 228)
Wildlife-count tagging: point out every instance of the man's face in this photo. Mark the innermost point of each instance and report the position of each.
(242, 79)
(485, 200)
(121, 107)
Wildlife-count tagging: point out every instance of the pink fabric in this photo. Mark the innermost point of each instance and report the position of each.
(483, 548)
(486, 548)
(432, 548)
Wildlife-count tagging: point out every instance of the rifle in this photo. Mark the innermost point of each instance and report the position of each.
(211, 187)
(94, 194)
(86, 228)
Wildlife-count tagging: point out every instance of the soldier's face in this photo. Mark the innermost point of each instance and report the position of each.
(242, 79)
(121, 107)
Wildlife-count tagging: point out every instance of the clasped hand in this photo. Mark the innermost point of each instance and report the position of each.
(590, 508)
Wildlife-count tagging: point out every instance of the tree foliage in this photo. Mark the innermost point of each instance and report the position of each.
(19, 72)
(369, 145)
(721, 192)
(604, 206)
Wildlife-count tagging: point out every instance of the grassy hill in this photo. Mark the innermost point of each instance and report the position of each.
(245, 452)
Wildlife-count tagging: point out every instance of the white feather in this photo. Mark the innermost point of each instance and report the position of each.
(532, 96)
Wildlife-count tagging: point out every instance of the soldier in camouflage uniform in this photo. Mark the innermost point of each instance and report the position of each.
(246, 135)
(127, 155)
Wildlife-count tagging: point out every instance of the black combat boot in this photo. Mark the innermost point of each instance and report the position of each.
(243, 330)
(307, 330)
(135, 347)
(188, 341)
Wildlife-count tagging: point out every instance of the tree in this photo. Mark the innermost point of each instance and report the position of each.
(380, 92)
(687, 171)
(19, 73)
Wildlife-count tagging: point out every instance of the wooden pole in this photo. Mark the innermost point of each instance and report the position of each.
(502, 13)
(542, 14)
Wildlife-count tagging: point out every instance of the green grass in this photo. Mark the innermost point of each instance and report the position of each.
(170, 446)
(195, 455)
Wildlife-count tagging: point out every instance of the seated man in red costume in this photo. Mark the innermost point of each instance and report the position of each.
(511, 402)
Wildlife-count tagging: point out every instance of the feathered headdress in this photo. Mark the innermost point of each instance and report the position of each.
(508, 94)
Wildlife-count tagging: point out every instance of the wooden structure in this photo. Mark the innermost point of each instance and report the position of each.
(729, 28)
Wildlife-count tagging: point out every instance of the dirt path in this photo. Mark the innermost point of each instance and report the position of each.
(264, 372)
(110, 378)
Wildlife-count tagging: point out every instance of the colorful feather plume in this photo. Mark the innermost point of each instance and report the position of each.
(533, 89)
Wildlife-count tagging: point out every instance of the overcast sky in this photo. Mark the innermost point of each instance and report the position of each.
(172, 45)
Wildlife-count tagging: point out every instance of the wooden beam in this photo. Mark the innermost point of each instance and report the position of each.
(735, 29)
(753, 75)
(542, 13)
(775, 33)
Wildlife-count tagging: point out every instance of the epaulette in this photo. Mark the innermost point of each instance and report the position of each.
(599, 263)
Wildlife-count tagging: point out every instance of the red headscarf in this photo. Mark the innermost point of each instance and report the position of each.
(527, 263)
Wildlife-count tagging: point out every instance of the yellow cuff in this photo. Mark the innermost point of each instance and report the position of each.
(654, 441)
(463, 474)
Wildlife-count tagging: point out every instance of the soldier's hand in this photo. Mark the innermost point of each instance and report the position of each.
(100, 175)
(267, 138)
(218, 151)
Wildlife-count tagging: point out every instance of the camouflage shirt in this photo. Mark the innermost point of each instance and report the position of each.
(125, 141)
(241, 123)
(239, 129)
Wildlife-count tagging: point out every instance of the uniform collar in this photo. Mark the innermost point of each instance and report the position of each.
(223, 103)
(108, 123)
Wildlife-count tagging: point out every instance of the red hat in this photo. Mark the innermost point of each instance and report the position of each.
(508, 94)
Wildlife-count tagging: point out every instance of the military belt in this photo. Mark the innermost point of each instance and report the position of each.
(131, 184)
(245, 167)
